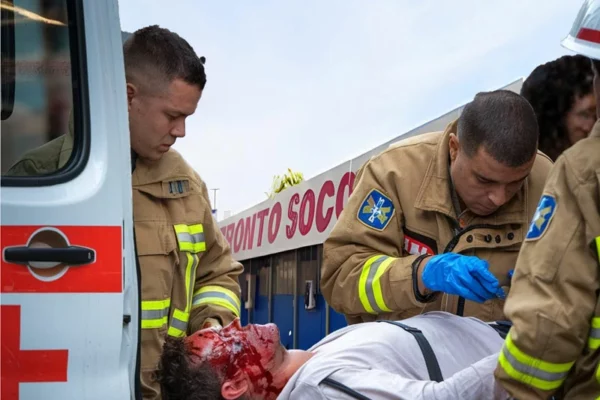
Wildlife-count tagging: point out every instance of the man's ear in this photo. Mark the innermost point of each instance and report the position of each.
(132, 91)
(235, 387)
(454, 146)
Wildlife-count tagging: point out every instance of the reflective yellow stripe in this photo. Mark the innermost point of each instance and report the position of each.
(219, 296)
(594, 336)
(598, 374)
(190, 237)
(531, 371)
(179, 323)
(598, 248)
(155, 313)
(369, 284)
(190, 278)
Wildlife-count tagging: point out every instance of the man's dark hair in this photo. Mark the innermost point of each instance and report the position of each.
(504, 123)
(155, 56)
(179, 379)
(552, 89)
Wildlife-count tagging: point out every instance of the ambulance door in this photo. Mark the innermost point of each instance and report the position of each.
(69, 294)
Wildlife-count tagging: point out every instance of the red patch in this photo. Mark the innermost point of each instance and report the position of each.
(417, 244)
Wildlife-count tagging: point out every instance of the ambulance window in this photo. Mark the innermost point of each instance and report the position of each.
(42, 77)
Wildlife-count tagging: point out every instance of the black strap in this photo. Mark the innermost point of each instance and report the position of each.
(502, 327)
(435, 374)
(343, 388)
(433, 368)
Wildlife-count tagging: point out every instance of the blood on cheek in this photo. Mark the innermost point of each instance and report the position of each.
(232, 354)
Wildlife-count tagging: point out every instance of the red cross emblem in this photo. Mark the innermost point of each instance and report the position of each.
(25, 365)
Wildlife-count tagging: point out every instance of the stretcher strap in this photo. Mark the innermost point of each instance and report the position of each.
(343, 388)
(435, 374)
(433, 368)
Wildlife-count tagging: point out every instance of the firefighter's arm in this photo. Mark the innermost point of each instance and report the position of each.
(216, 298)
(364, 270)
(553, 293)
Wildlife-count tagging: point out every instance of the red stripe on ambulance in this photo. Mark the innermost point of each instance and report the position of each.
(104, 275)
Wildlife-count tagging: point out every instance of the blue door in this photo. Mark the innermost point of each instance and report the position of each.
(284, 272)
(260, 313)
(336, 320)
(311, 323)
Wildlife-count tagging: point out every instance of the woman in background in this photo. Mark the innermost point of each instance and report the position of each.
(560, 92)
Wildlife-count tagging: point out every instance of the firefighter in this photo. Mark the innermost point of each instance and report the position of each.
(189, 279)
(435, 221)
(553, 347)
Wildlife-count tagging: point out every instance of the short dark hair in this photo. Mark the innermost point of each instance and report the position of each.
(504, 123)
(552, 89)
(180, 379)
(156, 56)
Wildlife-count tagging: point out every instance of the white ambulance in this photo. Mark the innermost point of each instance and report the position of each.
(69, 292)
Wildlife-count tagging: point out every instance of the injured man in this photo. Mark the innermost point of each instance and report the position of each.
(431, 356)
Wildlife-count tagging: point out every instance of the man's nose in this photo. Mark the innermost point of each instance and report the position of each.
(179, 130)
(498, 196)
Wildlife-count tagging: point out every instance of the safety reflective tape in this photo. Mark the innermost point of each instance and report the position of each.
(594, 336)
(190, 237)
(531, 371)
(598, 248)
(598, 374)
(155, 313)
(219, 296)
(179, 323)
(369, 284)
(190, 278)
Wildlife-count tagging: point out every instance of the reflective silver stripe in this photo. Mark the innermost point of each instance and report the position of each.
(185, 237)
(179, 324)
(214, 294)
(532, 371)
(369, 284)
(595, 333)
(154, 314)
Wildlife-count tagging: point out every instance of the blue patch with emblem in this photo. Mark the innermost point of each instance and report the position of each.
(376, 210)
(542, 217)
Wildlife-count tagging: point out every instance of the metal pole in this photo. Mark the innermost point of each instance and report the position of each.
(215, 197)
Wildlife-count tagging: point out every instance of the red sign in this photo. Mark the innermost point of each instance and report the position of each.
(25, 365)
(104, 275)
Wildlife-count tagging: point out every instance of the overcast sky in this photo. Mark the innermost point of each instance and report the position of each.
(310, 84)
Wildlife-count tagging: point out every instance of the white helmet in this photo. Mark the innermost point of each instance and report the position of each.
(584, 37)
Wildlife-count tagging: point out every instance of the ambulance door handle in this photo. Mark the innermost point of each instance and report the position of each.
(71, 255)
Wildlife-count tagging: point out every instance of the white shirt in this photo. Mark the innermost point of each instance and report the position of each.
(383, 361)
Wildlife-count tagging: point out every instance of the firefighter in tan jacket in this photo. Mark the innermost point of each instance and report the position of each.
(435, 222)
(189, 279)
(553, 347)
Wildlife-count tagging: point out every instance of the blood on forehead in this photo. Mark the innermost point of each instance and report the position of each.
(233, 351)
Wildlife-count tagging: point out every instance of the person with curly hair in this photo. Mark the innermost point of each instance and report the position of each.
(560, 92)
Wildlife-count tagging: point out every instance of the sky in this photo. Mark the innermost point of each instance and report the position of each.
(310, 84)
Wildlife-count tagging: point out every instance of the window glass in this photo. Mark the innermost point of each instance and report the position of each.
(35, 137)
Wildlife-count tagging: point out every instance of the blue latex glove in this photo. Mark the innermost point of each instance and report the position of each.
(465, 276)
(510, 273)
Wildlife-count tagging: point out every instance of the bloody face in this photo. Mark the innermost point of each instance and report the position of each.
(254, 351)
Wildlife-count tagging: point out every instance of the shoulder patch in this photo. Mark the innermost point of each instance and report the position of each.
(542, 217)
(376, 210)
